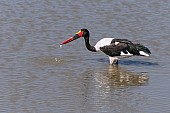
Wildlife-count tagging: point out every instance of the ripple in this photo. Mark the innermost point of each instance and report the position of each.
(138, 62)
(47, 60)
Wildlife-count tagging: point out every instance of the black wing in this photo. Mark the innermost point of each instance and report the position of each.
(121, 40)
(124, 46)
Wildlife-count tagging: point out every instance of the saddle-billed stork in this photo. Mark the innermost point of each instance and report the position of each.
(114, 48)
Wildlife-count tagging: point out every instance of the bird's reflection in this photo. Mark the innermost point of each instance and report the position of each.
(116, 76)
(109, 89)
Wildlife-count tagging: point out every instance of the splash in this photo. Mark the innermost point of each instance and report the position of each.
(56, 59)
(61, 46)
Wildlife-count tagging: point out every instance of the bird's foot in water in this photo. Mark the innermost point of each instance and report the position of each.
(113, 60)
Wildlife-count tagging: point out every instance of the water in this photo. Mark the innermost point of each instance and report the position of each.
(37, 76)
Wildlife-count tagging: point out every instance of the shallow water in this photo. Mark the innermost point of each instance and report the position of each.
(37, 76)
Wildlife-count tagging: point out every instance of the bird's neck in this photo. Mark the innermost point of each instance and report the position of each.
(88, 46)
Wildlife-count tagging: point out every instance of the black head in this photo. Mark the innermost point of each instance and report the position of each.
(85, 32)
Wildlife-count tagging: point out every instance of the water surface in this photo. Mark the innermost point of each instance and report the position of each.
(37, 76)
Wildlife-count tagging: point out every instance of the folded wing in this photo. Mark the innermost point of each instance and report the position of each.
(124, 47)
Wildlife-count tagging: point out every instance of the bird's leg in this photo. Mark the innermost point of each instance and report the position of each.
(113, 60)
(116, 61)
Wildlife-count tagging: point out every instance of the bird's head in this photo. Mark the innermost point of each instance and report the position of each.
(79, 34)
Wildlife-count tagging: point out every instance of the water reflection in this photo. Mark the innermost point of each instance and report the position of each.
(109, 89)
(115, 76)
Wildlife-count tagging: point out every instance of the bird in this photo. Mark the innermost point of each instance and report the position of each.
(114, 48)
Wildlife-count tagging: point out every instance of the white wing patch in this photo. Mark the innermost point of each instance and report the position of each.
(116, 43)
(143, 53)
(124, 54)
(103, 42)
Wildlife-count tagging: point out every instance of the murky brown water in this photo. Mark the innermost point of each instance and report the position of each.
(36, 76)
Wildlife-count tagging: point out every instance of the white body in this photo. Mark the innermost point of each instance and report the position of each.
(103, 42)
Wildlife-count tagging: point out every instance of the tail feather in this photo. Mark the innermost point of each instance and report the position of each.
(138, 49)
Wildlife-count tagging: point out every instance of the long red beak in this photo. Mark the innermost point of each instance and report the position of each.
(67, 41)
(70, 39)
(78, 35)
